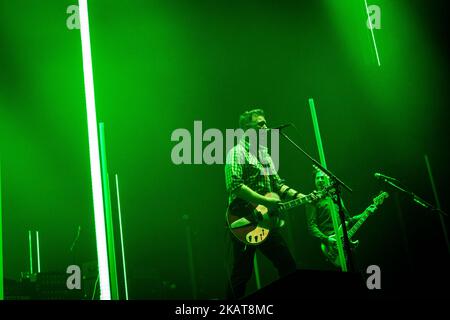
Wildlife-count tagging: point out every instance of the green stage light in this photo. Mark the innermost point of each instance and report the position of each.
(30, 250)
(121, 238)
(373, 35)
(38, 253)
(110, 245)
(100, 232)
(1, 239)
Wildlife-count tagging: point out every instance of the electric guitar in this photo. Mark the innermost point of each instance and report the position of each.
(251, 224)
(331, 251)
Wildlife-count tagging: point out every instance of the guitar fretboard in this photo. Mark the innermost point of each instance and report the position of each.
(358, 224)
(294, 203)
(377, 201)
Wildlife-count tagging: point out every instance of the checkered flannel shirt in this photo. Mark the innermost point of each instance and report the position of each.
(243, 167)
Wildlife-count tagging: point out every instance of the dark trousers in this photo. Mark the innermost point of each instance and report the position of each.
(274, 248)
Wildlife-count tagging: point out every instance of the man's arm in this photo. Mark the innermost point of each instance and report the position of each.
(289, 192)
(311, 218)
(371, 209)
(246, 193)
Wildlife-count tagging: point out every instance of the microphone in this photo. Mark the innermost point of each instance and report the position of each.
(382, 176)
(280, 126)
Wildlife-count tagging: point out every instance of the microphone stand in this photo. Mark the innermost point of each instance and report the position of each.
(337, 184)
(413, 196)
(73, 245)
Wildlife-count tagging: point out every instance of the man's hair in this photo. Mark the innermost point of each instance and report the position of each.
(246, 118)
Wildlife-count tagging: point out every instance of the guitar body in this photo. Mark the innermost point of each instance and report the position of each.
(252, 224)
(256, 222)
(331, 252)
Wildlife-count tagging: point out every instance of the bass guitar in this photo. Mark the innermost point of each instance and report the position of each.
(331, 251)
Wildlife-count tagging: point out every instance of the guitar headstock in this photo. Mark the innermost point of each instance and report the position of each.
(380, 198)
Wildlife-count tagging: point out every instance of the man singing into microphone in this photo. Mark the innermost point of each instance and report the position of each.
(250, 174)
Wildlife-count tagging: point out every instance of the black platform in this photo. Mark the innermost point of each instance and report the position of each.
(314, 284)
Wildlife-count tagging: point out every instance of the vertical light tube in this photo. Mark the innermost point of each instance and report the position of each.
(121, 239)
(256, 267)
(1, 238)
(111, 248)
(30, 250)
(373, 35)
(334, 214)
(97, 192)
(38, 253)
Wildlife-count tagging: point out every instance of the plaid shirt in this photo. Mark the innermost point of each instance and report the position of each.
(243, 167)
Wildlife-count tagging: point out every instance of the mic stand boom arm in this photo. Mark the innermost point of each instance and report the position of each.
(337, 183)
(415, 198)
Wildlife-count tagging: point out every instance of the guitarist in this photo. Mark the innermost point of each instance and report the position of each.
(248, 177)
(320, 223)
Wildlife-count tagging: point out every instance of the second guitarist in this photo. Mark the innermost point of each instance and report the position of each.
(319, 220)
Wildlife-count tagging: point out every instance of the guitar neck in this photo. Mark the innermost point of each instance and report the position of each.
(300, 201)
(376, 201)
(293, 203)
(358, 224)
(308, 198)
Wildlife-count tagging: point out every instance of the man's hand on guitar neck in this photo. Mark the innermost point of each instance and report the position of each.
(312, 197)
(370, 210)
(271, 203)
(331, 240)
